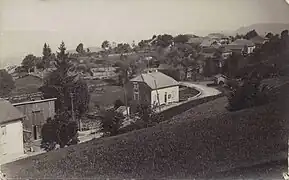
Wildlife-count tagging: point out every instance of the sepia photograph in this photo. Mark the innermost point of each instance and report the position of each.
(144, 89)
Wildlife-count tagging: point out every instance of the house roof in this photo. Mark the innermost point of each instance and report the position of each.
(217, 36)
(257, 39)
(164, 66)
(155, 80)
(242, 42)
(8, 112)
(195, 40)
(210, 42)
(224, 49)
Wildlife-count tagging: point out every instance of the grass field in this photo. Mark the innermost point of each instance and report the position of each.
(196, 142)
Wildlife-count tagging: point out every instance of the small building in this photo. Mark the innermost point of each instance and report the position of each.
(220, 79)
(154, 88)
(242, 46)
(225, 52)
(11, 131)
(210, 43)
(123, 110)
(258, 40)
(36, 112)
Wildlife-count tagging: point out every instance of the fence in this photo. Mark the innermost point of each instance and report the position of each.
(169, 113)
(173, 111)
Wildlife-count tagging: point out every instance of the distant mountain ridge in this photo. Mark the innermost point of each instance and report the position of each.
(264, 28)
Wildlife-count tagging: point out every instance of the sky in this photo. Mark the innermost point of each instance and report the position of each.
(25, 25)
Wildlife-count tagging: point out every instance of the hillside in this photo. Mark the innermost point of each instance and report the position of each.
(200, 141)
(264, 28)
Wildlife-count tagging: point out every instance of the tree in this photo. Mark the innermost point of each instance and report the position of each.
(142, 44)
(7, 83)
(70, 90)
(164, 40)
(46, 55)
(80, 48)
(284, 39)
(251, 34)
(181, 38)
(123, 48)
(185, 56)
(105, 45)
(62, 55)
(239, 36)
(111, 122)
(39, 63)
(29, 62)
(269, 35)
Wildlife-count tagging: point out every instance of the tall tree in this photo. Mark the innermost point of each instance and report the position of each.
(29, 62)
(71, 91)
(80, 48)
(46, 55)
(284, 39)
(6, 83)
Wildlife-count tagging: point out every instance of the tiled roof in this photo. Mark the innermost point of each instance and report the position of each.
(155, 80)
(8, 112)
(242, 42)
(257, 39)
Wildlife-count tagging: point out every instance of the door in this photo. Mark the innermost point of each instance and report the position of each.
(35, 134)
(166, 98)
(3, 140)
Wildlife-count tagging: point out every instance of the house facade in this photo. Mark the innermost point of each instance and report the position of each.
(242, 46)
(36, 114)
(154, 88)
(11, 131)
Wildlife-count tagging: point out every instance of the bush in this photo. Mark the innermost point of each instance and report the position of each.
(248, 95)
(111, 122)
(147, 116)
(59, 130)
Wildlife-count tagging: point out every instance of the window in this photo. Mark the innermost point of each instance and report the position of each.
(135, 86)
(136, 96)
(3, 130)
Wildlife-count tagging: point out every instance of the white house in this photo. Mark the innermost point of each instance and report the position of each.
(11, 131)
(154, 88)
(242, 46)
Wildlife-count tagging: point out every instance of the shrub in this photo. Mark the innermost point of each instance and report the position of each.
(248, 95)
(147, 116)
(59, 130)
(111, 122)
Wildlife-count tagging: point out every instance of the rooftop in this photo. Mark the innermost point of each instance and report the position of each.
(155, 80)
(242, 42)
(8, 112)
(34, 102)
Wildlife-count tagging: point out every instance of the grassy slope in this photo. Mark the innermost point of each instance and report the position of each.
(202, 139)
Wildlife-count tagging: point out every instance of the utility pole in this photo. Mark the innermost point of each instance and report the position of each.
(72, 109)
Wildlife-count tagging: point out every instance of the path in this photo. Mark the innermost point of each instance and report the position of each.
(204, 90)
